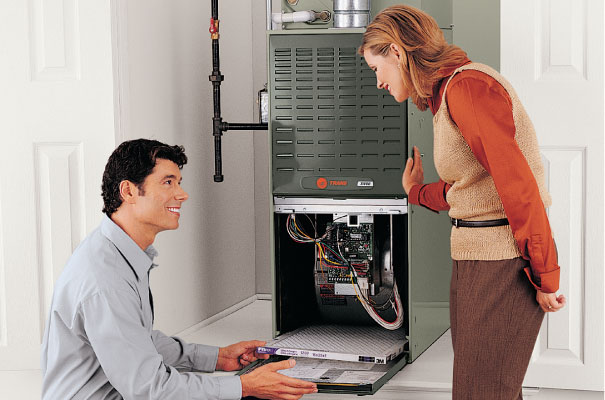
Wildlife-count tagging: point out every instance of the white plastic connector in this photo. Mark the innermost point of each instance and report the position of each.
(363, 283)
(298, 16)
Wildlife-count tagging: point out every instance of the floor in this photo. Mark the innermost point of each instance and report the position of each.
(427, 378)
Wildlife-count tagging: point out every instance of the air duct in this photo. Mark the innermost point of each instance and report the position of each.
(351, 13)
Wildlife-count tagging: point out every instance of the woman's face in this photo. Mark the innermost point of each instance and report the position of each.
(388, 74)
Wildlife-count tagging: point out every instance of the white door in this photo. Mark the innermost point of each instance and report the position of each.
(56, 130)
(552, 52)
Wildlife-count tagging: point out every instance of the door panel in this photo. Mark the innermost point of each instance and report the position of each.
(552, 53)
(57, 131)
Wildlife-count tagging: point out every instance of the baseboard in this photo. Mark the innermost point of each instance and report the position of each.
(438, 387)
(224, 313)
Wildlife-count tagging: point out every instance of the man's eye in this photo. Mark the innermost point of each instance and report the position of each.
(169, 182)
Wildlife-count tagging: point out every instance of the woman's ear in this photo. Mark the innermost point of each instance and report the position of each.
(399, 53)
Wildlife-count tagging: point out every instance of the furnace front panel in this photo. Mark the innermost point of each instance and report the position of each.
(333, 132)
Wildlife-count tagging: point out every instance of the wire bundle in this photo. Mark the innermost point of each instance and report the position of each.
(331, 258)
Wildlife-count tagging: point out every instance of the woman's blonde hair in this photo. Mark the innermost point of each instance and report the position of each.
(426, 51)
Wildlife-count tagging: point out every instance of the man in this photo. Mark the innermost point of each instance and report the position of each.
(99, 342)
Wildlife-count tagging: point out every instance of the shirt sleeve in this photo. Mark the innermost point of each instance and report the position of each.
(430, 195)
(179, 354)
(482, 110)
(130, 360)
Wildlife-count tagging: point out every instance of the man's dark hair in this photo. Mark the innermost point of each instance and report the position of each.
(133, 161)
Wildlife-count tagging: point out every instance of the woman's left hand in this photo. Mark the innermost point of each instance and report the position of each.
(550, 302)
(413, 173)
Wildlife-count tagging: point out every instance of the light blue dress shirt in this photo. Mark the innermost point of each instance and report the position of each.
(99, 342)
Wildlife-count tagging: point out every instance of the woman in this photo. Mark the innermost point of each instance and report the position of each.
(505, 273)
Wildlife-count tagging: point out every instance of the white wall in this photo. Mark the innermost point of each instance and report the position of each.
(207, 265)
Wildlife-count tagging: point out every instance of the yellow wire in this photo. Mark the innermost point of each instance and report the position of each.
(299, 230)
(320, 266)
(330, 261)
(354, 288)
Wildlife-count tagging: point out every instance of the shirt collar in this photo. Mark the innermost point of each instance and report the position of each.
(141, 261)
(435, 101)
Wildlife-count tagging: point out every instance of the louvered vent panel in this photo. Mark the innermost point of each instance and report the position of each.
(328, 119)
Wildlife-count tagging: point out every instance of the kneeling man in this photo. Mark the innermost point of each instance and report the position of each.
(99, 341)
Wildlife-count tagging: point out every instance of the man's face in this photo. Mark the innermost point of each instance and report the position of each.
(158, 205)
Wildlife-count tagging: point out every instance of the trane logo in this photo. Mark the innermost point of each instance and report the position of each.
(338, 183)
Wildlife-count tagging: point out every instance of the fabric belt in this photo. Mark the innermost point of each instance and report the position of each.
(460, 223)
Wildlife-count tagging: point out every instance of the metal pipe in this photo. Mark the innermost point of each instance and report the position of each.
(218, 126)
(228, 126)
(269, 10)
(216, 77)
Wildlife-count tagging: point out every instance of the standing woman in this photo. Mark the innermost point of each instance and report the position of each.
(505, 273)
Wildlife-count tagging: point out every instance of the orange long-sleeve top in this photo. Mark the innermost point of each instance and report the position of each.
(482, 110)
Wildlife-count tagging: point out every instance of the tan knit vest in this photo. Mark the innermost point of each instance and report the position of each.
(473, 195)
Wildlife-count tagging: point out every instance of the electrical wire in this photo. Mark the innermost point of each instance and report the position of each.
(335, 259)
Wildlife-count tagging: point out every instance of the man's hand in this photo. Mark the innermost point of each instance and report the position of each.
(266, 383)
(238, 355)
(550, 302)
(413, 173)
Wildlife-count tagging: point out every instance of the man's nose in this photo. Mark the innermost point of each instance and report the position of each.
(182, 195)
(379, 84)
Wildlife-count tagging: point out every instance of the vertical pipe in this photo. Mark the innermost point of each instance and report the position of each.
(218, 126)
(216, 79)
(269, 15)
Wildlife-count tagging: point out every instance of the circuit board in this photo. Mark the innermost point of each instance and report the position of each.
(354, 244)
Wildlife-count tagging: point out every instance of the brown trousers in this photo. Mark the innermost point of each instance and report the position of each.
(495, 321)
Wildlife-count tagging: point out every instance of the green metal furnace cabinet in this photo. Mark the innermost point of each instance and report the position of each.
(335, 136)
(334, 133)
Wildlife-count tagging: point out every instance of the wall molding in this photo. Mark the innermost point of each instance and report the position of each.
(119, 45)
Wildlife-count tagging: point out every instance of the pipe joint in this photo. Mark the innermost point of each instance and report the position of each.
(217, 126)
(216, 77)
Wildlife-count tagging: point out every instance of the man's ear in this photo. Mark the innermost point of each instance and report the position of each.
(128, 191)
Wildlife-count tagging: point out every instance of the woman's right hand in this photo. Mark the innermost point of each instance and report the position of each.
(413, 173)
